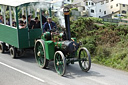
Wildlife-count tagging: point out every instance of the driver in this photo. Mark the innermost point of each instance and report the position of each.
(49, 25)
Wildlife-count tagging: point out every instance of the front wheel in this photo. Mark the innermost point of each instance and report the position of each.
(84, 59)
(60, 63)
(40, 55)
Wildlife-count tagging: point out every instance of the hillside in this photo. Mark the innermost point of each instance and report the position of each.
(107, 42)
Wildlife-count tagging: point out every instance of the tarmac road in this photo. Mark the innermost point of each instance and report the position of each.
(25, 71)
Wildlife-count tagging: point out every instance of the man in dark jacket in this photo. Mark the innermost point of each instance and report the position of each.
(31, 23)
(49, 25)
(44, 19)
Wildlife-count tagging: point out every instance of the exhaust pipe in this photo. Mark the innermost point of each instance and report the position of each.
(67, 22)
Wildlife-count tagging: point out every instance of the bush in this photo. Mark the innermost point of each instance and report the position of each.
(107, 42)
(89, 43)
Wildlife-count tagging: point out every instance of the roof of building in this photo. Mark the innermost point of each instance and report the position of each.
(96, 1)
(80, 2)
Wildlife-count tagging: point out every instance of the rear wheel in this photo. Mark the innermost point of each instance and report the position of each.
(13, 52)
(85, 59)
(40, 56)
(2, 47)
(60, 63)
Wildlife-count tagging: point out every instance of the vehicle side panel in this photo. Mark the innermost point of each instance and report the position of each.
(34, 34)
(49, 50)
(9, 35)
(23, 38)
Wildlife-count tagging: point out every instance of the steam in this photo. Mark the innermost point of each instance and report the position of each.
(42, 5)
(45, 4)
(60, 14)
(61, 17)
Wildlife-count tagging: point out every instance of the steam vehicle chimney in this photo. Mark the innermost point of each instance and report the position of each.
(67, 22)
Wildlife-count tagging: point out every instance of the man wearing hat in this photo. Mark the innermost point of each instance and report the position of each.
(49, 25)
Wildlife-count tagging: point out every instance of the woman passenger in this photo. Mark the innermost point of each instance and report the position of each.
(24, 19)
(21, 25)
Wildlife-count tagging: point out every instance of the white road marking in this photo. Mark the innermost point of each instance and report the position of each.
(34, 77)
(98, 81)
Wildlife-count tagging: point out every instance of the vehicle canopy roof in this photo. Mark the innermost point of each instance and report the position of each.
(16, 3)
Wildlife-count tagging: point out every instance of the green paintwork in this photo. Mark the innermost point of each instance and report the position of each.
(34, 34)
(46, 36)
(58, 45)
(23, 38)
(19, 38)
(9, 35)
(49, 49)
(17, 21)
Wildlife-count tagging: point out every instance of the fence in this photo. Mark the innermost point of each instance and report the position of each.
(114, 20)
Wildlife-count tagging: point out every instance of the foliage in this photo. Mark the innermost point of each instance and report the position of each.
(107, 42)
(74, 9)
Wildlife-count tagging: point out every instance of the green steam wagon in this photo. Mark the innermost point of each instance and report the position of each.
(62, 49)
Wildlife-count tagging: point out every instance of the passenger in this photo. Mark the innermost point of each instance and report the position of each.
(1, 19)
(49, 25)
(44, 19)
(24, 19)
(37, 23)
(8, 21)
(31, 23)
(13, 23)
(21, 24)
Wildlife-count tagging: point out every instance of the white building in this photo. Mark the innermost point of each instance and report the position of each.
(101, 8)
(124, 8)
(57, 4)
(67, 1)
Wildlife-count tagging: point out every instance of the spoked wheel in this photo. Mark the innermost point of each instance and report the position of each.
(13, 52)
(84, 59)
(2, 47)
(40, 54)
(60, 63)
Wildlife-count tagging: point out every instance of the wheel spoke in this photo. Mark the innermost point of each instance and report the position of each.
(85, 65)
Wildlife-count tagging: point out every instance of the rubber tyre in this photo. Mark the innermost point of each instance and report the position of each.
(40, 59)
(12, 52)
(82, 61)
(60, 63)
(2, 47)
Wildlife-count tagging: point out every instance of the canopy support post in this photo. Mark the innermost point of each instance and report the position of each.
(35, 13)
(4, 10)
(41, 25)
(1, 9)
(22, 11)
(14, 13)
(17, 21)
(10, 12)
(29, 12)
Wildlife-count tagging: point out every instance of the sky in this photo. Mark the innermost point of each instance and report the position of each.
(123, 1)
(20, 1)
